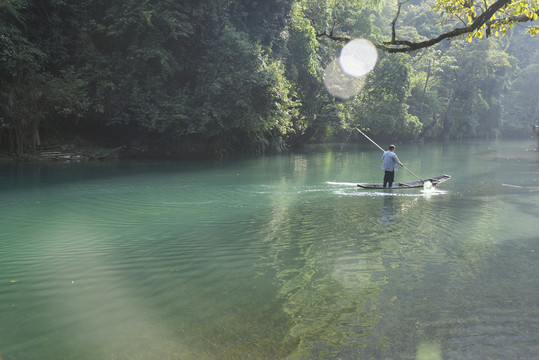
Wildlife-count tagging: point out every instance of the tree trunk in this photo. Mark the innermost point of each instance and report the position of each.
(424, 95)
(447, 117)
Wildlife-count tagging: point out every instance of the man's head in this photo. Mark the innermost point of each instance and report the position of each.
(392, 147)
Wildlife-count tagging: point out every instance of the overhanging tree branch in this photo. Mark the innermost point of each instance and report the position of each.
(485, 19)
(403, 46)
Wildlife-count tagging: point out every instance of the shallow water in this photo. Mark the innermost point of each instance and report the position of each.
(273, 257)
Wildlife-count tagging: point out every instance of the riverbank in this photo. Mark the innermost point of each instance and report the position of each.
(64, 153)
(78, 150)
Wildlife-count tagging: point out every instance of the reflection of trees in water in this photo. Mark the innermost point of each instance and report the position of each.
(327, 261)
(336, 262)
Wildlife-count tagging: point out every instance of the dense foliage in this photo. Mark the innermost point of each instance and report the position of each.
(214, 77)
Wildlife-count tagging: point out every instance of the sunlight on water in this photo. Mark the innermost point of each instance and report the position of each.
(342, 183)
(429, 351)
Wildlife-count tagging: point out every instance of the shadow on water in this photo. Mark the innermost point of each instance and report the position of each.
(15, 176)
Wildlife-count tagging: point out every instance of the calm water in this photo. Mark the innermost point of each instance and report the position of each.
(279, 257)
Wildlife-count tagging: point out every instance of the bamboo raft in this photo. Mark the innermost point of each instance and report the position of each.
(407, 185)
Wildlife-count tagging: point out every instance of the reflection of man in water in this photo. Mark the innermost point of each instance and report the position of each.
(388, 211)
(389, 161)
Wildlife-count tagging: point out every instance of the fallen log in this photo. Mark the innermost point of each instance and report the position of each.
(107, 154)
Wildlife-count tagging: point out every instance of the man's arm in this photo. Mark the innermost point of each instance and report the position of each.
(396, 159)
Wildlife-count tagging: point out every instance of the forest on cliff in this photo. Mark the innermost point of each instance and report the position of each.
(216, 77)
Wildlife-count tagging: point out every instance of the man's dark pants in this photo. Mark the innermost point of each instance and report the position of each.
(389, 177)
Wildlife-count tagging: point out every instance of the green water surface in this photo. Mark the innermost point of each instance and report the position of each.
(274, 257)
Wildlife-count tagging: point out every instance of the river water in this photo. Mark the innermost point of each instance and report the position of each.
(275, 257)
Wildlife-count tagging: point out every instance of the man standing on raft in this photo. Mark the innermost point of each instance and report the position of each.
(389, 162)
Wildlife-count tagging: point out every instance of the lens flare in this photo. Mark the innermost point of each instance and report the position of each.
(429, 351)
(339, 84)
(358, 57)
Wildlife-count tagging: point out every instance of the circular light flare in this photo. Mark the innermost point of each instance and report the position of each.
(358, 58)
(339, 84)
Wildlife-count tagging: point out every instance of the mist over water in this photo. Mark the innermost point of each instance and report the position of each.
(273, 257)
